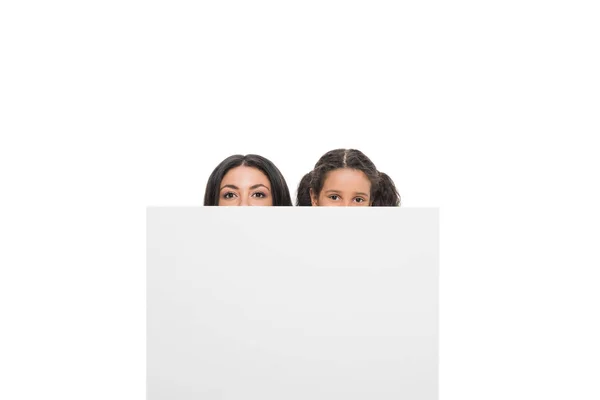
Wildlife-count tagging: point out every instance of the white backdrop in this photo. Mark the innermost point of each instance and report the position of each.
(486, 110)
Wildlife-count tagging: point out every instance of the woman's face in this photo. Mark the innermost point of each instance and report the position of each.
(344, 187)
(245, 186)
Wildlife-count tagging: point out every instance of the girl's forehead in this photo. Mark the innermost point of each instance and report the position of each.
(347, 175)
(347, 179)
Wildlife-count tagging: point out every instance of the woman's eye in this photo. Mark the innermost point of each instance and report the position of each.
(359, 199)
(229, 195)
(259, 195)
(334, 197)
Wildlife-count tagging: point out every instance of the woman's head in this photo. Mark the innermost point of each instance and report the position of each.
(249, 180)
(346, 177)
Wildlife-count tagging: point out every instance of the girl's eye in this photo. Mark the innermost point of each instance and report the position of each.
(259, 195)
(229, 195)
(334, 197)
(359, 199)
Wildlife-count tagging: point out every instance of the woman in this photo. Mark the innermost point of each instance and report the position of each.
(249, 180)
(346, 177)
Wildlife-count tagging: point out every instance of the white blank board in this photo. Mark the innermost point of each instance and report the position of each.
(292, 303)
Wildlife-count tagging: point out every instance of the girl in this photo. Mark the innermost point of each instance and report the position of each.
(346, 177)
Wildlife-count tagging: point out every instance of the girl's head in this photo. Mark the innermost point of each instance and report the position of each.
(346, 177)
(249, 180)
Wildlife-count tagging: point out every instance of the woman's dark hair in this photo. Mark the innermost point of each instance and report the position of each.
(279, 188)
(383, 190)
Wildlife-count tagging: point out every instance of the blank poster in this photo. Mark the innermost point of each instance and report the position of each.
(292, 303)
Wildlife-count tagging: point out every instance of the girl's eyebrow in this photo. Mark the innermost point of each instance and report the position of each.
(259, 185)
(337, 191)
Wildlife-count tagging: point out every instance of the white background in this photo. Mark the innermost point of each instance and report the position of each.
(486, 110)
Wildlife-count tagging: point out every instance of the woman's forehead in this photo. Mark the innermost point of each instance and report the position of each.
(245, 175)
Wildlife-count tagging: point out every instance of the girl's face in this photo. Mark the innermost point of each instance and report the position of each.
(245, 186)
(344, 187)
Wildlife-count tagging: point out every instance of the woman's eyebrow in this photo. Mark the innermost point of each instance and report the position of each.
(230, 186)
(259, 185)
